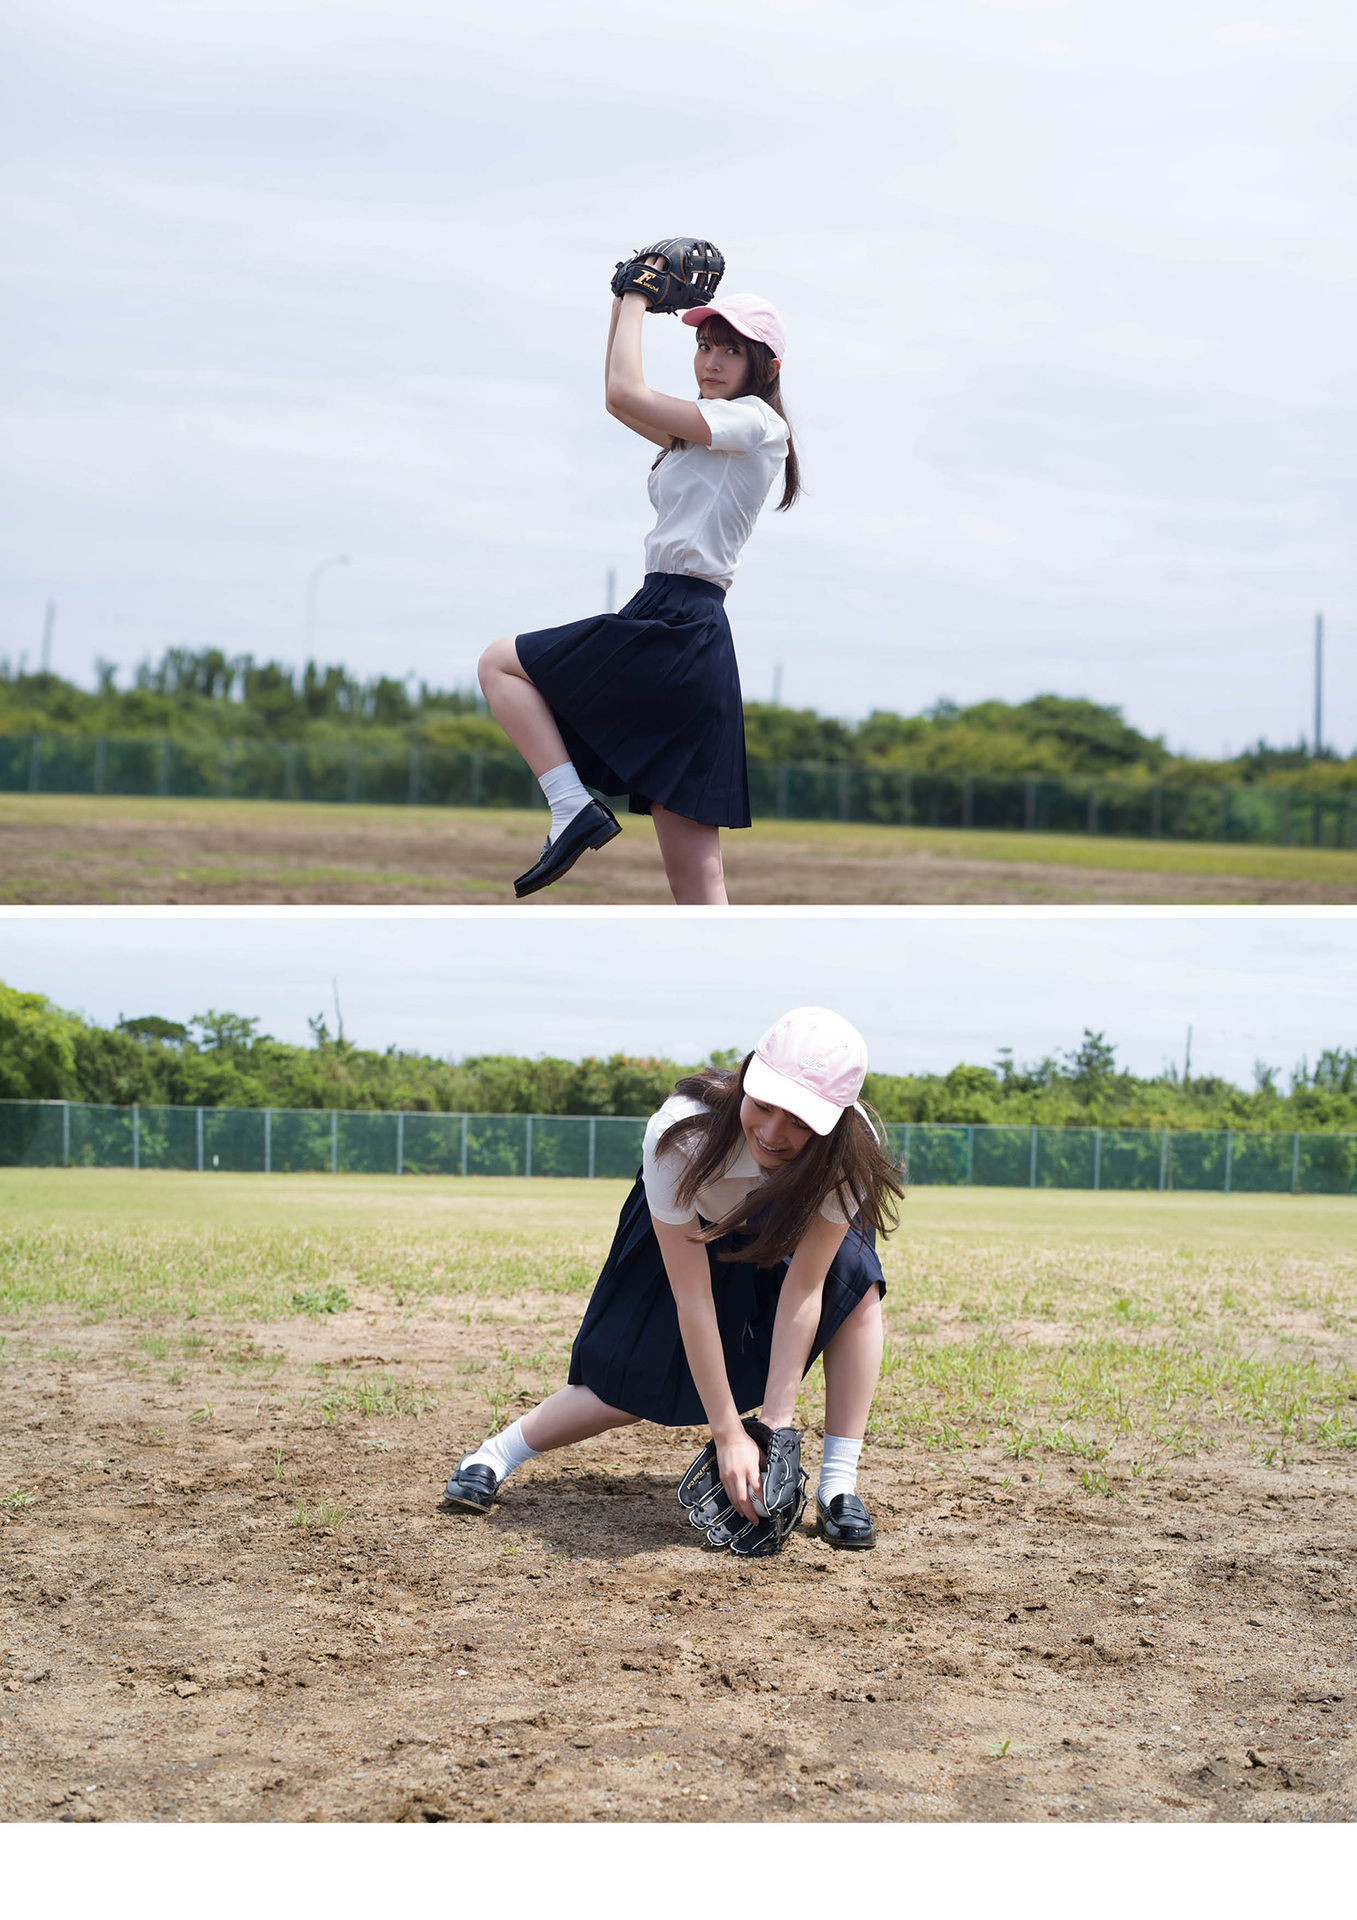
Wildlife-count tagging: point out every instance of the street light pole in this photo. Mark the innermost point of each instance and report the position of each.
(1319, 685)
(336, 560)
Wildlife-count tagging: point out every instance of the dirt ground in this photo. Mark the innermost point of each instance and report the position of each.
(70, 848)
(175, 1647)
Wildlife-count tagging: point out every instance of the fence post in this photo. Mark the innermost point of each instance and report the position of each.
(268, 1139)
(593, 1143)
(1032, 1174)
(162, 770)
(334, 1140)
(34, 760)
(1163, 1158)
(136, 1138)
(65, 1133)
(199, 1130)
(100, 763)
(1097, 1159)
(1295, 1163)
(527, 1146)
(400, 1142)
(1029, 804)
(464, 1146)
(1229, 1155)
(412, 797)
(909, 1139)
(970, 1156)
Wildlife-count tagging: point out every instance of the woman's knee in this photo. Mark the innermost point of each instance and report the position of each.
(501, 656)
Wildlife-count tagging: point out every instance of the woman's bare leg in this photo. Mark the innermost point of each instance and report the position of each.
(575, 1413)
(853, 1367)
(520, 708)
(692, 859)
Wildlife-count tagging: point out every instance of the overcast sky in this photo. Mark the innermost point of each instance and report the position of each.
(1069, 287)
(926, 989)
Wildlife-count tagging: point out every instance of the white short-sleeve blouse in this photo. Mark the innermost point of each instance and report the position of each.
(707, 499)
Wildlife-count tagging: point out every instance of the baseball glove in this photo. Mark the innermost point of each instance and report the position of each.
(782, 1495)
(689, 277)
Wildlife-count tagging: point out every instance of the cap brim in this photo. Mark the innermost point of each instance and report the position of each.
(762, 1083)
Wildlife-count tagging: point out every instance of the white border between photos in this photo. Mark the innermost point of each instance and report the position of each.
(1025, 911)
(671, 1871)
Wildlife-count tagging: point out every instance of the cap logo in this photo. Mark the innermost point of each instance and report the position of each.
(813, 1062)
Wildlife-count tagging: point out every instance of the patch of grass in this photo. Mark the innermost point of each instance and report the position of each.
(154, 1345)
(318, 1301)
(325, 1514)
(373, 1398)
(18, 1497)
(1109, 1332)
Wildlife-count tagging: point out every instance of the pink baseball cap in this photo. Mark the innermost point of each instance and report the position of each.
(810, 1062)
(756, 319)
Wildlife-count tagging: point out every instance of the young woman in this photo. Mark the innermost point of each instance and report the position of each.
(746, 1248)
(647, 701)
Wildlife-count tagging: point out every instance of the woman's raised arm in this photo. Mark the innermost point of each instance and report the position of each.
(657, 417)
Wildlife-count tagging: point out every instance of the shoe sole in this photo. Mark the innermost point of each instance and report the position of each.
(466, 1506)
(591, 845)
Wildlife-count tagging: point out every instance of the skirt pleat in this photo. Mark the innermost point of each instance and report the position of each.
(648, 700)
(629, 1350)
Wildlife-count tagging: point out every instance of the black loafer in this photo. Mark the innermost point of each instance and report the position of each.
(845, 1522)
(472, 1488)
(593, 826)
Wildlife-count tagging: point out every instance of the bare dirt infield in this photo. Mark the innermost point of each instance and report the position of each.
(78, 849)
(176, 1646)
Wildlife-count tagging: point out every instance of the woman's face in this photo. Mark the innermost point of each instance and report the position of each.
(774, 1135)
(721, 370)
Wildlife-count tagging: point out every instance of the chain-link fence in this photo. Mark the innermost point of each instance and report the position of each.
(60, 1133)
(425, 776)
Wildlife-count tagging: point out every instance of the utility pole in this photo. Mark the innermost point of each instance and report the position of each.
(1187, 1059)
(777, 684)
(49, 621)
(1319, 685)
(610, 599)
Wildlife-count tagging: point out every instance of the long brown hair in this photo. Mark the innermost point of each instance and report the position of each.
(764, 381)
(848, 1164)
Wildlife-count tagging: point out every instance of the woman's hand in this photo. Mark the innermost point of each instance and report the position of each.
(741, 1469)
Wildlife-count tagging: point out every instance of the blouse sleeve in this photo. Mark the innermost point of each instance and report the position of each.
(742, 426)
(661, 1173)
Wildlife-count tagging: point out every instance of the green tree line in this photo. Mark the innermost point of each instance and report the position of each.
(210, 695)
(222, 1059)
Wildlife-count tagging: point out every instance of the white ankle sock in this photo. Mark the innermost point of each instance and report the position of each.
(502, 1452)
(838, 1467)
(566, 795)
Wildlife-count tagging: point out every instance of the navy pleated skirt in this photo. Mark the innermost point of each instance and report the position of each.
(629, 1350)
(648, 700)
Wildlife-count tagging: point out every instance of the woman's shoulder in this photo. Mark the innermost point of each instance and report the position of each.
(739, 426)
(679, 1106)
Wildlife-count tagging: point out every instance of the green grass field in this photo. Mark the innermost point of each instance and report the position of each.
(1118, 1329)
(115, 847)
